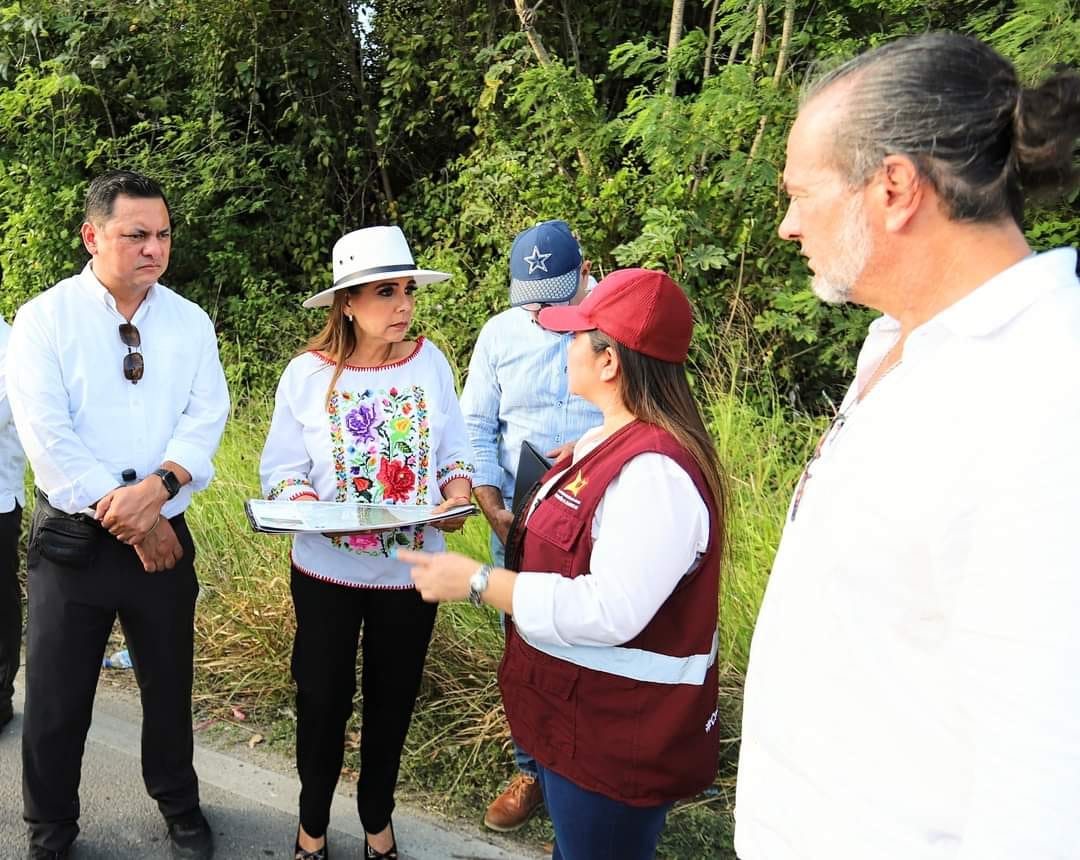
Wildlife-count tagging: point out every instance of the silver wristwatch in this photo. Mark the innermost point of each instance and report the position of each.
(478, 584)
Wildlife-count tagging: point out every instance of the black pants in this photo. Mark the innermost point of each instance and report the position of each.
(10, 604)
(70, 615)
(397, 627)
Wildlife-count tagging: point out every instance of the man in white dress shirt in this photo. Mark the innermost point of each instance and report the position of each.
(12, 501)
(913, 689)
(120, 400)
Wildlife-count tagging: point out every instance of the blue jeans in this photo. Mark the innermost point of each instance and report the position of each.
(590, 826)
(524, 761)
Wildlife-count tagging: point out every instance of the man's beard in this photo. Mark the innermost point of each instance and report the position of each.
(835, 284)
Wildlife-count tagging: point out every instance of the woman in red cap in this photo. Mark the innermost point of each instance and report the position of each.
(609, 677)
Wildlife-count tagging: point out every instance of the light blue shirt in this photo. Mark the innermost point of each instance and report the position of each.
(517, 390)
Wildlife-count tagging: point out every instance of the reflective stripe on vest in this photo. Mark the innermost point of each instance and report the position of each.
(634, 663)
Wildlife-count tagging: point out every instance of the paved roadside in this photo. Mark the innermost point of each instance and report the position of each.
(251, 808)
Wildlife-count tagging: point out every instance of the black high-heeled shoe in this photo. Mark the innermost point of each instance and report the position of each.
(371, 854)
(318, 854)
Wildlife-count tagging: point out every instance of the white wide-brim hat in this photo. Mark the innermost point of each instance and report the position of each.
(372, 254)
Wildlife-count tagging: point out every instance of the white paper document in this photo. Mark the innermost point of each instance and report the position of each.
(284, 517)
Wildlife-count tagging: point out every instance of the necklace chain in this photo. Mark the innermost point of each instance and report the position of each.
(834, 428)
(878, 375)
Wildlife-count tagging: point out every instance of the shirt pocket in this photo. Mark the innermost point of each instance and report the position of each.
(557, 526)
(172, 360)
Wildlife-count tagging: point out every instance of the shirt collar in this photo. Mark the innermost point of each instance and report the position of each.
(97, 289)
(1002, 298)
(1009, 293)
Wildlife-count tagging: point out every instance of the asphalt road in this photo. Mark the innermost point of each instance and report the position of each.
(251, 807)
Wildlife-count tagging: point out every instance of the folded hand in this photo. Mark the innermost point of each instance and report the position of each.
(160, 549)
(130, 512)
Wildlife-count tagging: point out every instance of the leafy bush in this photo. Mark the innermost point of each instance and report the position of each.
(274, 131)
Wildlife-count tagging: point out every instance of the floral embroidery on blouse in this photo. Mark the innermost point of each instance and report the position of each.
(381, 442)
(281, 486)
(457, 469)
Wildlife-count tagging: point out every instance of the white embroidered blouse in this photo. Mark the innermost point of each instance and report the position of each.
(391, 435)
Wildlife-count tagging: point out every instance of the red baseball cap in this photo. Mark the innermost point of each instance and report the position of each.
(642, 309)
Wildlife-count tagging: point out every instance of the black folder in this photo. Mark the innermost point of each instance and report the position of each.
(532, 465)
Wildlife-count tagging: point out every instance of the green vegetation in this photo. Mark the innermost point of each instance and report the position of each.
(656, 128)
(277, 126)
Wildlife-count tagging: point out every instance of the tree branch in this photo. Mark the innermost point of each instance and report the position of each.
(759, 35)
(361, 83)
(785, 41)
(704, 77)
(712, 41)
(678, 8)
(571, 37)
(527, 16)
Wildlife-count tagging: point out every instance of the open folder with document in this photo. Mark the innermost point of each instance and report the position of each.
(285, 517)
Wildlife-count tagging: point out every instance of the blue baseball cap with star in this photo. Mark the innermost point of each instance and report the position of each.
(545, 265)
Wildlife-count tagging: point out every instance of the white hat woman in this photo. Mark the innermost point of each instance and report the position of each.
(363, 414)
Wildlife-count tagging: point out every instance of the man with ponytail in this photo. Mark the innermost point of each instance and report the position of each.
(913, 689)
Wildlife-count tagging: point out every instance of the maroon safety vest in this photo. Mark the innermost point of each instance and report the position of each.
(635, 722)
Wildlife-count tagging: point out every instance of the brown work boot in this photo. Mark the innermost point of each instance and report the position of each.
(512, 808)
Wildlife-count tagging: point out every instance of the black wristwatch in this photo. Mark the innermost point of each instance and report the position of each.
(171, 482)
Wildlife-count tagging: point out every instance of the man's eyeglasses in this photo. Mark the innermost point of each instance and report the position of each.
(133, 361)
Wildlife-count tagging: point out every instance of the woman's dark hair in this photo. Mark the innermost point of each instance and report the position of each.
(956, 107)
(658, 392)
(104, 189)
(337, 338)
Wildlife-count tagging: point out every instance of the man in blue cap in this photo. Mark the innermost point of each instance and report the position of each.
(517, 390)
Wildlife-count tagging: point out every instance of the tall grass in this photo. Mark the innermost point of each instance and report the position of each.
(763, 449)
(458, 753)
(244, 621)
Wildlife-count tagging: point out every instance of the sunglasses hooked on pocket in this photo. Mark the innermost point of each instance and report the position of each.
(133, 361)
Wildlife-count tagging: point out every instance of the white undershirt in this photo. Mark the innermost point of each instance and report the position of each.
(648, 531)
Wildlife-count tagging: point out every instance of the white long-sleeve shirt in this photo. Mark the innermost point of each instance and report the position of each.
(82, 423)
(12, 460)
(913, 689)
(648, 531)
(391, 435)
